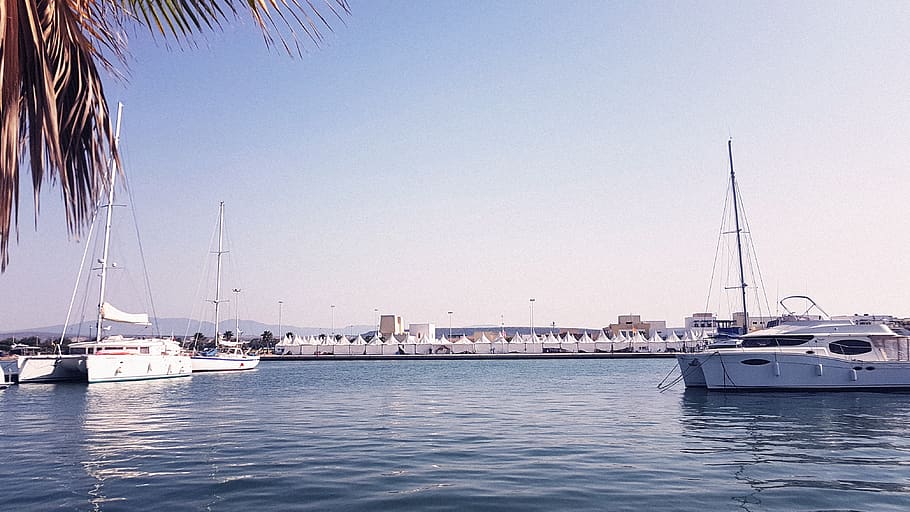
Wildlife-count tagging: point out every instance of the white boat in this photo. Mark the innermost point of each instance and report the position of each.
(226, 355)
(114, 358)
(689, 362)
(118, 358)
(807, 354)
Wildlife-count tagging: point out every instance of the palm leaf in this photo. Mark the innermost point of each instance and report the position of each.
(53, 113)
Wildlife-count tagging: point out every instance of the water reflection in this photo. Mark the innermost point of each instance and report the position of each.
(833, 445)
(128, 427)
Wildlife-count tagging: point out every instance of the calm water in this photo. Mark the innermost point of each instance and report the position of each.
(448, 435)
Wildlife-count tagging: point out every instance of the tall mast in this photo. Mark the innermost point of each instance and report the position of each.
(739, 245)
(218, 271)
(107, 226)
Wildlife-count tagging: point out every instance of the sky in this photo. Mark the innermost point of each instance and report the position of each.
(439, 156)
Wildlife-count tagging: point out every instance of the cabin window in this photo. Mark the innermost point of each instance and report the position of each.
(755, 362)
(774, 341)
(77, 351)
(143, 350)
(850, 347)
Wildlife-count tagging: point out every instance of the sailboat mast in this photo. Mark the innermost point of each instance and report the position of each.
(107, 226)
(739, 245)
(218, 266)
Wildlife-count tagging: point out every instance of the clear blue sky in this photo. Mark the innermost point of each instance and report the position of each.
(443, 156)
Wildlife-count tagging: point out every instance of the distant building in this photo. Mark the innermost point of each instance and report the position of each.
(701, 321)
(628, 325)
(423, 331)
(390, 324)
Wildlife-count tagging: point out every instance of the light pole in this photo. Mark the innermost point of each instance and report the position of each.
(376, 312)
(280, 302)
(450, 325)
(237, 311)
(532, 319)
(333, 321)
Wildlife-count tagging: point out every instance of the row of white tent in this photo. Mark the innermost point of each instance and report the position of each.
(406, 344)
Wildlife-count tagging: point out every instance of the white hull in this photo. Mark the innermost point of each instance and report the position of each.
(115, 368)
(223, 363)
(728, 370)
(52, 368)
(690, 368)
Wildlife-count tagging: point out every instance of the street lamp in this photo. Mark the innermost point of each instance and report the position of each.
(450, 325)
(280, 302)
(376, 312)
(532, 319)
(333, 321)
(237, 311)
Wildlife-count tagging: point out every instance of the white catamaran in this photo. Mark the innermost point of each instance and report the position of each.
(113, 358)
(226, 355)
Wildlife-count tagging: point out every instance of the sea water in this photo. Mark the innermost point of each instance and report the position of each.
(448, 435)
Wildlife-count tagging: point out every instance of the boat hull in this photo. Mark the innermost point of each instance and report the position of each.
(223, 363)
(691, 370)
(731, 371)
(116, 368)
(52, 368)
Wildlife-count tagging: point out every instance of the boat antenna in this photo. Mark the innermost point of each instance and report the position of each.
(739, 246)
(107, 226)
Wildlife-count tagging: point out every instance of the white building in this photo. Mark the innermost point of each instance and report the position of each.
(423, 331)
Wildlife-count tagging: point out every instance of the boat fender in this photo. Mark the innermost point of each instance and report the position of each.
(819, 370)
(853, 375)
(776, 369)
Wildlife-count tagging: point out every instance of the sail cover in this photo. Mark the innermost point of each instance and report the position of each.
(109, 312)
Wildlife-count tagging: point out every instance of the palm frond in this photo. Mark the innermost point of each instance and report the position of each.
(53, 113)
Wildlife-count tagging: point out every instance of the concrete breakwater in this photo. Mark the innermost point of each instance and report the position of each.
(470, 357)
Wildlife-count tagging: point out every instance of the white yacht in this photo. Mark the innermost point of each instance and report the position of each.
(804, 354)
(225, 355)
(113, 358)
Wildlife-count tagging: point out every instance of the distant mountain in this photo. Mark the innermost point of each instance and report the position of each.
(178, 327)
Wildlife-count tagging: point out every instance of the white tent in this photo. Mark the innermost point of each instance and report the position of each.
(639, 343)
(517, 344)
(463, 345)
(424, 346)
(358, 346)
(500, 345)
(621, 343)
(673, 342)
(603, 343)
(568, 343)
(551, 343)
(656, 343)
(483, 345)
(586, 344)
(306, 346)
(442, 346)
(284, 346)
(533, 344)
(374, 346)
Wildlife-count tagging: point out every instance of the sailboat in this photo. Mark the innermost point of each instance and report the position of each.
(113, 358)
(797, 351)
(727, 332)
(226, 355)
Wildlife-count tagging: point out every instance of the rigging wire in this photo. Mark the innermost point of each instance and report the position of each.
(69, 311)
(148, 284)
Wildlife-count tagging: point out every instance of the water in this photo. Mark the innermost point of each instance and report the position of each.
(448, 435)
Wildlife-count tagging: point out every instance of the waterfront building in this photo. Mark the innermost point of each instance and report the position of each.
(389, 325)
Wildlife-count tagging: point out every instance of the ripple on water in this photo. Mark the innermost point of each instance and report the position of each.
(443, 435)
